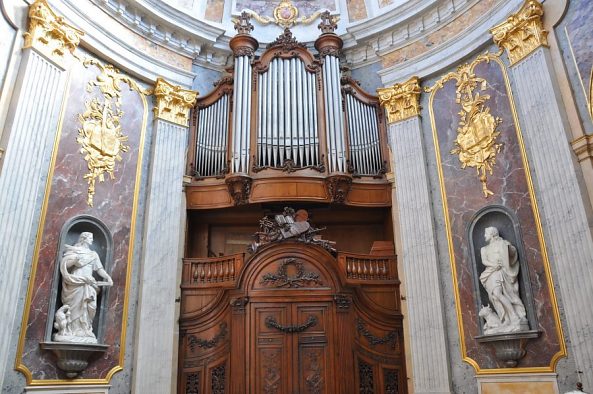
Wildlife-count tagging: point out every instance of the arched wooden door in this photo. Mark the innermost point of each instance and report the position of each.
(291, 319)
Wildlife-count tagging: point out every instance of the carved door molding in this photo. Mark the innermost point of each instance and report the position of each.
(293, 321)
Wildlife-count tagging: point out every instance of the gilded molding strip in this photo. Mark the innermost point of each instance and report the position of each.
(173, 103)
(49, 33)
(19, 366)
(476, 143)
(522, 32)
(562, 352)
(100, 137)
(402, 100)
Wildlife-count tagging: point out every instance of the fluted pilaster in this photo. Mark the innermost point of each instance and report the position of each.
(155, 341)
(562, 207)
(32, 124)
(418, 255)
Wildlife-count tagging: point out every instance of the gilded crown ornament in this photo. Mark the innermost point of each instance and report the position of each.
(49, 33)
(522, 32)
(173, 103)
(402, 100)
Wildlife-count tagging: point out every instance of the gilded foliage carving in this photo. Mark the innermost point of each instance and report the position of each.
(101, 138)
(173, 103)
(402, 100)
(49, 32)
(522, 32)
(477, 133)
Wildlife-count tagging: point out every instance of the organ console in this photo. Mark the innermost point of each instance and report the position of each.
(287, 112)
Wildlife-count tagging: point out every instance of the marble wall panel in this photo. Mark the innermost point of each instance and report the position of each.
(463, 197)
(115, 204)
(214, 10)
(575, 40)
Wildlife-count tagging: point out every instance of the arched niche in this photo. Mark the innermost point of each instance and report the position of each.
(103, 245)
(509, 228)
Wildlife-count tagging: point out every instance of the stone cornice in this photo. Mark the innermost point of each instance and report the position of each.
(522, 32)
(583, 147)
(173, 103)
(50, 34)
(402, 100)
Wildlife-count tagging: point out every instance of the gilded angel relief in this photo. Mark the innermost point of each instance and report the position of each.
(477, 132)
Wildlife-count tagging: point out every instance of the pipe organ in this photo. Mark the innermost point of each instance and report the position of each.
(288, 109)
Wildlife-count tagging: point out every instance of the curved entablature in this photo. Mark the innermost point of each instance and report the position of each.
(288, 125)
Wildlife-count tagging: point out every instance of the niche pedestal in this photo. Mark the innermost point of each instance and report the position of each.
(73, 358)
(509, 347)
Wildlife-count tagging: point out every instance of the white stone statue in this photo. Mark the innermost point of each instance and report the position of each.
(74, 320)
(500, 279)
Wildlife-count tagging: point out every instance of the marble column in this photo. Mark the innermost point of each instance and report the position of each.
(562, 208)
(155, 356)
(32, 123)
(419, 255)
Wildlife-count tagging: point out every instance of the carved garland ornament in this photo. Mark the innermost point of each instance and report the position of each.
(49, 33)
(285, 14)
(282, 279)
(476, 143)
(173, 103)
(193, 341)
(522, 32)
(100, 137)
(402, 100)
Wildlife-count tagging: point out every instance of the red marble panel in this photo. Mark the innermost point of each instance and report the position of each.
(114, 204)
(464, 197)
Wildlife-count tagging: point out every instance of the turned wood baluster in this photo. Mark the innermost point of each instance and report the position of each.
(371, 270)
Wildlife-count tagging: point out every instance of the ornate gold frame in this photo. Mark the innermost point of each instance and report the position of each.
(19, 366)
(495, 57)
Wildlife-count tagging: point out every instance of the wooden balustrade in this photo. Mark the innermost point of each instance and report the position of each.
(211, 272)
(359, 268)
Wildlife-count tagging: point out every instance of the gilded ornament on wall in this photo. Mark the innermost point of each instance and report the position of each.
(522, 32)
(49, 33)
(476, 143)
(101, 137)
(173, 103)
(286, 15)
(402, 100)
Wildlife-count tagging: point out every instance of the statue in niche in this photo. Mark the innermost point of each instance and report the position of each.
(500, 279)
(74, 320)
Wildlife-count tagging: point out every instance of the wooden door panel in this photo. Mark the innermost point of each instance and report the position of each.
(272, 349)
(314, 357)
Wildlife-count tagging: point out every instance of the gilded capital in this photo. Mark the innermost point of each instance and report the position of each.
(49, 33)
(173, 103)
(402, 100)
(522, 32)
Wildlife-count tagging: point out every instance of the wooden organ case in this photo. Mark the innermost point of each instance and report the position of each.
(292, 317)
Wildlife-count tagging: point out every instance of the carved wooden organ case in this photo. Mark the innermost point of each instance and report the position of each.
(287, 124)
(291, 318)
